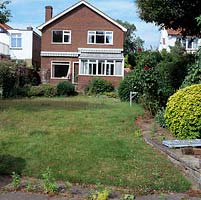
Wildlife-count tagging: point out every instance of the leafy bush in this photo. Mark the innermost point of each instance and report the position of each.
(155, 77)
(143, 77)
(46, 90)
(27, 76)
(159, 118)
(194, 73)
(49, 90)
(7, 78)
(151, 105)
(99, 86)
(36, 91)
(111, 94)
(14, 77)
(182, 114)
(65, 88)
(193, 76)
(144, 80)
(23, 91)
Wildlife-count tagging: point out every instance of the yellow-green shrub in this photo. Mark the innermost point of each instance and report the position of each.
(183, 112)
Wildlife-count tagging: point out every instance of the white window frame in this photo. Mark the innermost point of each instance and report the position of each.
(93, 33)
(109, 64)
(60, 63)
(186, 41)
(106, 62)
(63, 34)
(17, 36)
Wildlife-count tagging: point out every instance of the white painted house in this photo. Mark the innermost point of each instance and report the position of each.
(22, 44)
(4, 41)
(170, 36)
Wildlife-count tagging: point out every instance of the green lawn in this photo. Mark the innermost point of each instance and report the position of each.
(82, 139)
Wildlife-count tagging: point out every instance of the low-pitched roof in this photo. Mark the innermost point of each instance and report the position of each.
(173, 32)
(5, 26)
(82, 2)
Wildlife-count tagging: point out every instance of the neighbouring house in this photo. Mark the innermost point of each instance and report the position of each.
(20, 45)
(170, 36)
(81, 43)
(4, 41)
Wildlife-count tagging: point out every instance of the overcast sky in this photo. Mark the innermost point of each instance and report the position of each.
(31, 13)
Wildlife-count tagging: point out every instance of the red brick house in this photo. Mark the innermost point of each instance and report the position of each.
(80, 43)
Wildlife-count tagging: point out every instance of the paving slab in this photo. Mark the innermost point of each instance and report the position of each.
(28, 196)
(31, 196)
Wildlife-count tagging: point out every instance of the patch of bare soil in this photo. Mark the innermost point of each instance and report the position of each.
(4, 180)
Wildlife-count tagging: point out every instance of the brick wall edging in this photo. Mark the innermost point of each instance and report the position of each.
(193, 173)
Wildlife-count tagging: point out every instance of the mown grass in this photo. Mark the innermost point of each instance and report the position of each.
(82, 139)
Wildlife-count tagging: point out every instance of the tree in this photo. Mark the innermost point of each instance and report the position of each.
(131, 42)
(175, 14)
(4, 12)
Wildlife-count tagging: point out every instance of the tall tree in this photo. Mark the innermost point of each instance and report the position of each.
(175, 14)
(131, 43)
(4, 12)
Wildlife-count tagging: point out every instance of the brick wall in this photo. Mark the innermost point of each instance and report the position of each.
(80, 21)
(83, 81)
(36, 59)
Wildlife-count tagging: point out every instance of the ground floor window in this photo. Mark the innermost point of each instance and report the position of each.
(60, 69)
(101, 67)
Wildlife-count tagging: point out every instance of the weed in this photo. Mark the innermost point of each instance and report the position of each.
(138, 133)
(162, 196)
(30, 186)
(99, 187)
(103, 195)
(15, 180)
(153, 129)
(129, 197)
(68, 184)
(49, 182)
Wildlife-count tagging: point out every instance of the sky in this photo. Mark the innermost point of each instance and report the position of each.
(32, 13)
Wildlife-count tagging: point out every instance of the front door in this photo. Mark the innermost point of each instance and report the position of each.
(75, 72)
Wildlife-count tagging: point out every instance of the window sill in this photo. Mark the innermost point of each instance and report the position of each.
(59, 43)
(101, 75)
(54, 78)
(17, 48)
(99, 44)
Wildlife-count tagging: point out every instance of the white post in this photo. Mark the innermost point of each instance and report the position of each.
(1, 92)
(132, 95)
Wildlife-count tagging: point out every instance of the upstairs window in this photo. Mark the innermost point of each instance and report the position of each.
(61, 36)
(100, 37)
(16, 40)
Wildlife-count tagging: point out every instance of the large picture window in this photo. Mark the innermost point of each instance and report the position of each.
(100, 37)
(60, 70)
(101, 67)
(61, 36)
(16, 40)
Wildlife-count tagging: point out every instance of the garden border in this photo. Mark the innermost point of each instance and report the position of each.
(189, 169)
(189, 164)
